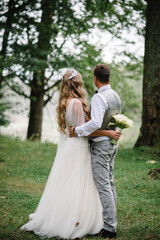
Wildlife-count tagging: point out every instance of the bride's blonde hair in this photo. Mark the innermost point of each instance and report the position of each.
(72, 87)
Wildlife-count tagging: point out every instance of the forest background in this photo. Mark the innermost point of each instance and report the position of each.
(40, 39)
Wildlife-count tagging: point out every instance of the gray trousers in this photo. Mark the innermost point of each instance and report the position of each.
(103, 154)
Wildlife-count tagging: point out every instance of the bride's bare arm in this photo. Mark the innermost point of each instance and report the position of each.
(109, 133)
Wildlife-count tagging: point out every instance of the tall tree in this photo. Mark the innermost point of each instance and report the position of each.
(3, 52)
(38, 82)
(150, 129)
(7, 18)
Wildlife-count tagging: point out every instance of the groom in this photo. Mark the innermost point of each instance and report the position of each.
(104, 105)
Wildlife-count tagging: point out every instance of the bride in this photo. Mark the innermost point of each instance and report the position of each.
(70, 206)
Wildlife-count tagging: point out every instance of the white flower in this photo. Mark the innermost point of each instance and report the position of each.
(122, 121)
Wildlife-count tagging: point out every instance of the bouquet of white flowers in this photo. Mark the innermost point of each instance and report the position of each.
(120, 121)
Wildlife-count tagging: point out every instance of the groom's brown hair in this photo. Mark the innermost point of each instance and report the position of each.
(102, 72)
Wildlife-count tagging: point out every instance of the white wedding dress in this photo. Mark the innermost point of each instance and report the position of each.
(70, 206)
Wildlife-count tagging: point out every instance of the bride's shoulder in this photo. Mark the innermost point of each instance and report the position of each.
(77, 105)
(75, 101)
(68, 100)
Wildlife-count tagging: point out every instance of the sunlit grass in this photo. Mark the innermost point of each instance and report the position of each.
(24, 171)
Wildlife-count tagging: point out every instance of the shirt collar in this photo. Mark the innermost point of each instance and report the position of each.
(108, 86)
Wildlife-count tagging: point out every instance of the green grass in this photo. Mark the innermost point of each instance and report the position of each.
(24, 170)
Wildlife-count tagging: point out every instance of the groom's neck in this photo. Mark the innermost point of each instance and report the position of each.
(102, 84)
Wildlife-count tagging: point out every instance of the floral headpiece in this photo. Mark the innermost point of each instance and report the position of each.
(74, 73)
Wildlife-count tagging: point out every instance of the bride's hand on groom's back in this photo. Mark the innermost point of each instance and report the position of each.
(114, 134)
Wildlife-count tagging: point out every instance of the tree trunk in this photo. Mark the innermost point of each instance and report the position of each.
(150, 129)
(38, 83)
(35, 116)
(7, 30)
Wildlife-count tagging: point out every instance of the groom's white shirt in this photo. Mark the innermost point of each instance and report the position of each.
(99, 106)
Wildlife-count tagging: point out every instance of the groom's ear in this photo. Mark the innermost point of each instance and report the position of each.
(95, 79)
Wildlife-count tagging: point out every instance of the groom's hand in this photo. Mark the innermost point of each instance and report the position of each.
(114, 134)
(71, 132)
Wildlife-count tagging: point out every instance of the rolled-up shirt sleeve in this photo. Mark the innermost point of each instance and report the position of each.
(99, 106)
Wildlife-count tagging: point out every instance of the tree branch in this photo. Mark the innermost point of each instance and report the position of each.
(48, 99)
(12, 74)
(17, 91)
(27, 84)
(65, 40)
(5, 79)
(55, 84)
